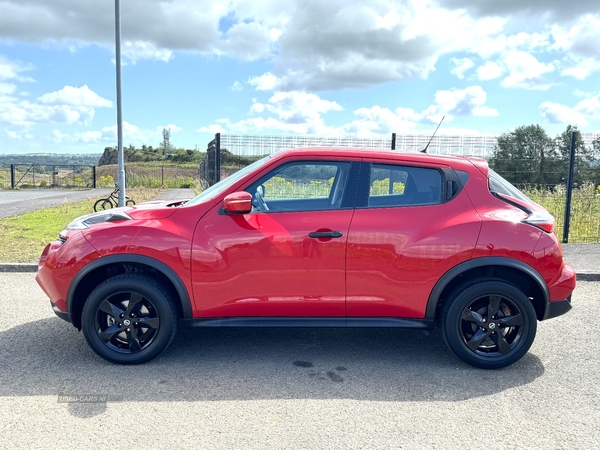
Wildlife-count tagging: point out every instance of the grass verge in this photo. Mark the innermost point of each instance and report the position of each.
(22, 238)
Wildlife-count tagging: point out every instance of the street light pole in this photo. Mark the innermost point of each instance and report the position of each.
(121, 167)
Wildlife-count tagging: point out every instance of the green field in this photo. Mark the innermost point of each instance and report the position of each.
(22, 238)
(585, 210)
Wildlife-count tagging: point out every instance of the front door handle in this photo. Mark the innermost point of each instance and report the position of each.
(325, 234)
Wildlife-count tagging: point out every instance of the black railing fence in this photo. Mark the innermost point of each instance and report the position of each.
(577, 220)
(42, 176)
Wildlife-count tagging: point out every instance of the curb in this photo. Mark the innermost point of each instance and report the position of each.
(22, 268)
(16, 268)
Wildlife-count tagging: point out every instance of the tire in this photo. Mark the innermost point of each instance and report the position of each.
(102, 204)
(137, 299)
(130, 203)
(488, 323)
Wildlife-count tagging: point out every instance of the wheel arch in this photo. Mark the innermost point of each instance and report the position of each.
(510, 270)
(101, 269)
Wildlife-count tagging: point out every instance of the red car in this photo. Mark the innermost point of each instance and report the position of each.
(319, 238)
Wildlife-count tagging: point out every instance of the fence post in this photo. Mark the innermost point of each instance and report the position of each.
(218, 158)
(565, 238)
(12, 176)
(94, 177)
(393, 141)
(162, 175)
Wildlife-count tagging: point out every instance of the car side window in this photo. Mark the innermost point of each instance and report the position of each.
(392, 185)
(301, 186)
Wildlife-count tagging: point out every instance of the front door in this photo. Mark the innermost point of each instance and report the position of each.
(284, 259)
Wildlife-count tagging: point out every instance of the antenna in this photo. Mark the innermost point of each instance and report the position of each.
(427, 146)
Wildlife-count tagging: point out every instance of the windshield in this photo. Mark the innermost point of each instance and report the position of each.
(222, 185)
(500, 186)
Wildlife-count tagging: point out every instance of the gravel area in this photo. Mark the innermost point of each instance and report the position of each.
(294, 388)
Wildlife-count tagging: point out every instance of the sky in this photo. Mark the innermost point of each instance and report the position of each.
(335, 68)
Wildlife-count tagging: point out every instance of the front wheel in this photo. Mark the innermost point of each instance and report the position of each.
(489, 324)
(102, 204)
(129, 319)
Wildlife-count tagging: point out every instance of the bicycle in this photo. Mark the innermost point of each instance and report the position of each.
(112, 201)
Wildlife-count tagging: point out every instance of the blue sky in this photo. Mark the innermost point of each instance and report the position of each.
(300, 67)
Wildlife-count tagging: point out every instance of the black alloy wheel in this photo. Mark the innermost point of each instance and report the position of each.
(129, 319)
(489, 324)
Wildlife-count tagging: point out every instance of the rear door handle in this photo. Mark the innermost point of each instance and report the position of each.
(325, 234)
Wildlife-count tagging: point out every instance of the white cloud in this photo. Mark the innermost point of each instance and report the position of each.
(27, 113)
(237, 87)
(461, 66)
(489, 71)
(74, 96)
(302, 113)
(556, 113)
(133, 51)
(11, 70)
(265, 82)
(461, 102)
(69, 105)
(315, 45)
(525, 71)
(7, 89)
(579, 44)
(587, 109)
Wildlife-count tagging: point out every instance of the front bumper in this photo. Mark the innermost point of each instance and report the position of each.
(555, 309)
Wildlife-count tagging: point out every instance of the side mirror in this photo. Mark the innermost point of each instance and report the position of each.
(238, 203)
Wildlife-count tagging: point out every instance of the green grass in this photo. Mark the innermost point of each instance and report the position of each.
(585, 210)
(22, 238)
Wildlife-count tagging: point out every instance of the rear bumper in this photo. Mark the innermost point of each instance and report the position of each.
(555, 309)
(62, 314)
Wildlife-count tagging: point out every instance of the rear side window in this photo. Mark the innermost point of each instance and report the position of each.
(392, 185)
(499, 185)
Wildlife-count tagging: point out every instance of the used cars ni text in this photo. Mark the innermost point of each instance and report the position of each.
(319, 238)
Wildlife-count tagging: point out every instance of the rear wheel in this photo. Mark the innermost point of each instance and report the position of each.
(129, 319)
(102, 204)
(130, 203)
(489, 324)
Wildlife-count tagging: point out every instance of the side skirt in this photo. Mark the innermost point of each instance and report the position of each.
(311, 322)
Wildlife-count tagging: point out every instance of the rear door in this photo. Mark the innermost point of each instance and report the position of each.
(408, 229)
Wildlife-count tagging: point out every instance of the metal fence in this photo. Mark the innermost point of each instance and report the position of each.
(236, 151)
(43, 176)
(40, 176)
(149, 175)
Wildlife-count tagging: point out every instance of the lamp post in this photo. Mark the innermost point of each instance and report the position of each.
(121, 168)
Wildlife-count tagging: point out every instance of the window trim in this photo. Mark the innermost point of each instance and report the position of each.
(451, 184)
(324, 162)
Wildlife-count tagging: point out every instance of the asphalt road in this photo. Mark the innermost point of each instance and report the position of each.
(294, 388)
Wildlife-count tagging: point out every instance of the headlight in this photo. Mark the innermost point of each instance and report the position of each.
(83, 222)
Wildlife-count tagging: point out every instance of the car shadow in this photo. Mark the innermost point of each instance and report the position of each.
(49, 357)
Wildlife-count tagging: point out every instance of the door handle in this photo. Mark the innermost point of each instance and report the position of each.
(325, 234)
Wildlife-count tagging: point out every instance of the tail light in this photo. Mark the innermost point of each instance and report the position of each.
(542, 220)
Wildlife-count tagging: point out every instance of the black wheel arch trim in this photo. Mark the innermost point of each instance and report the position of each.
(184, 298)
(448, 277)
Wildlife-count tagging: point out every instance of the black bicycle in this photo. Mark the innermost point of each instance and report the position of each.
(112, 201)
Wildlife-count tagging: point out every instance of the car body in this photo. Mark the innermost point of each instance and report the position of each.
(319, 237)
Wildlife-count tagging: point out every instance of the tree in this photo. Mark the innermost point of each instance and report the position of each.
(527, 156)
(584, 157)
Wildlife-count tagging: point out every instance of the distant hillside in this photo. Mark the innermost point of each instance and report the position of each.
(52, 158)
(148, 154)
